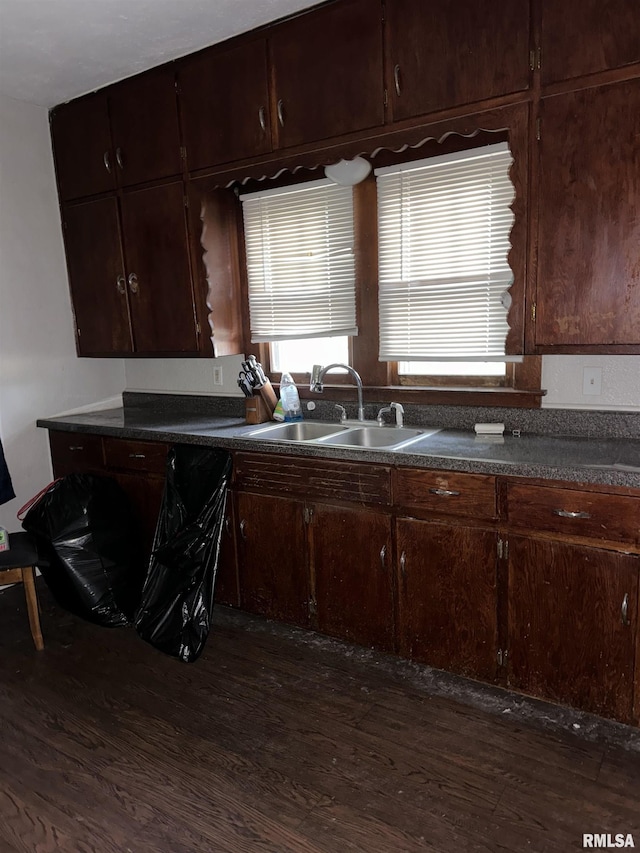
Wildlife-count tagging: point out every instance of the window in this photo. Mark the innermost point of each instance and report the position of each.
(444, 228)
(300, 263)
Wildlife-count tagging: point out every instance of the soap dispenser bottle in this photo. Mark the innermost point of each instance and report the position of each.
(290, 399)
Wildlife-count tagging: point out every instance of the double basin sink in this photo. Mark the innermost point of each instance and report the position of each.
(366, 435)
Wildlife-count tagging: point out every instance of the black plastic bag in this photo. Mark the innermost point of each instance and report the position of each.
(177, 599)
(85, 527)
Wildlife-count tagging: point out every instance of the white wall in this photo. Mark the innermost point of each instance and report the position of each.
(184, 375)
(40, 374)
(563, 377)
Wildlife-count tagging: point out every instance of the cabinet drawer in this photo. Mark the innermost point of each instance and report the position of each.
(447, 492)
(574, 512)
(75, 452)
(313, 478)
(125, 455)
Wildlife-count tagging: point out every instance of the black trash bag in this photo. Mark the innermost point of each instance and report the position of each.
(177, 600)
(85, 527)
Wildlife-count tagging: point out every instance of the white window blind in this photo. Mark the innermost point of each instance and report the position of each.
(300, 261)
(444, 228)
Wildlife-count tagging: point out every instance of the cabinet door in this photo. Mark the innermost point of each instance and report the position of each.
(327, 72)
(96, 277)
(441, 54)
(447, 599)
(581, 37)
(82, 147)
(352, 564)
(158, 271)
(572, 624)
(145, 492)
(226, 588)
(589, 230)
(144, 125)
(272, 554)
(224, 104)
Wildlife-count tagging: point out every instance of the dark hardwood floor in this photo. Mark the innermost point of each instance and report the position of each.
(280, 740)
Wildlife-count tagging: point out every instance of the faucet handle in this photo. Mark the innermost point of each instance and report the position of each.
(316, 384)
(341, 411)
(399, 410)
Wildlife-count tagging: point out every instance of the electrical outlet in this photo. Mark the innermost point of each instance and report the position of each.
(217, 376)
(592, 381)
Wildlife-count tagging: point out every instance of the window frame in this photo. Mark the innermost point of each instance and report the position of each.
(521, 386)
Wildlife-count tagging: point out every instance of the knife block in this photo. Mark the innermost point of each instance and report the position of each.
(256, 410)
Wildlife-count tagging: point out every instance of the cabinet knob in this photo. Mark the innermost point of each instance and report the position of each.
(624, 610)
(444, 493)
(243, 527)
(565, 513)
(383, 557)
(403, 564)
(280, 111)
(134, 286)
(396, 79)
(262, 120)
(107, 161)
(119, 160)
(121, 284)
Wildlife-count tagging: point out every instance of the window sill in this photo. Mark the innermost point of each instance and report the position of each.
(451, 396)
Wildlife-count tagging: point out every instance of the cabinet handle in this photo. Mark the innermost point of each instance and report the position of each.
(383, 558)
(107, 161)
(133, 283)
(565, 513)
(261, 119)
(624, 610)
(403, 564)
(444, 493)
(227, 526)
(75, 447)
(280, 113)
(396, 79)
(119, 158)
(121, 284)
(243, 526)
(137, 456)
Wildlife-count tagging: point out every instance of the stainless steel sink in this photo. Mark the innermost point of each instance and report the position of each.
(376, 436)
(297, 431)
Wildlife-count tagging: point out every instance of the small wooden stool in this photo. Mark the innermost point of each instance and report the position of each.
(16, 566)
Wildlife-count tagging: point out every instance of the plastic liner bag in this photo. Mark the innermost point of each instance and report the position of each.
(85, 527)
(177, 600)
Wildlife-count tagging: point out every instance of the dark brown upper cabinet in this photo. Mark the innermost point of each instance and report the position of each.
(144, 127)
(82, 147)
(124, 135)
(224, 104)
(580, 37)
(326, 69)
(96, 269)
(443, 54)
(129, 274)
(158, 270)
(588, 291)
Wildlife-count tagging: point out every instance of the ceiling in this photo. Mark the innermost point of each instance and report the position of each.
(54, 50)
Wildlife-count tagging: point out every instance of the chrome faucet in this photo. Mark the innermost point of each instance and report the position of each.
(393, 407)
(318, 374)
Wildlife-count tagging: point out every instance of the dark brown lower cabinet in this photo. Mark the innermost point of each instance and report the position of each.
(227, 590)
(572, 614)
(351, 563)
(447, 596)
(272, 557)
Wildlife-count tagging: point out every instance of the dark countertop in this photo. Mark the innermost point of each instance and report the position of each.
(610, 461)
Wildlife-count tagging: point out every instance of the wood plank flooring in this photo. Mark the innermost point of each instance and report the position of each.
(282, 741)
